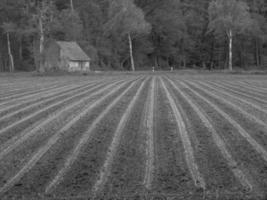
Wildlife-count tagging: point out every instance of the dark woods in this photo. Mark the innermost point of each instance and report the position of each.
(129, 35)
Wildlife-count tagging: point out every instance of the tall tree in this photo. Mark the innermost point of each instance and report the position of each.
(115, 33)
(10, 28)
(71, 6)
(127, 18)
(11, 17)
(229, 17)
(41, 20)
(259, 29)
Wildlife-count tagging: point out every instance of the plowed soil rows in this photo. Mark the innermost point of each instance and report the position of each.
(11, 117)
(21, 124)
(133, 136)
(32, 88)
(23, 88)
(259, 133)
(250, 97)
(206, 152)
(247, 90)
(30, 146)
(248, 159)
(10, 108)
(125, 179)
(83, 174)
(27, 99)
(53, 160)
(251, 88)
(171, 173)
(258, 112)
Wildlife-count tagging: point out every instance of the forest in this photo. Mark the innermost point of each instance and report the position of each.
(137, 34)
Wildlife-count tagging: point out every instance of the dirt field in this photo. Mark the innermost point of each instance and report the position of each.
(133, 136)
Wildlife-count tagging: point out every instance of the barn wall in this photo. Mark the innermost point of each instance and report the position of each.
(74, 66)
(79, 66)
(86, 66)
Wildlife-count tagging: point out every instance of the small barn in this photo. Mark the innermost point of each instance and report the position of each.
(65, 56)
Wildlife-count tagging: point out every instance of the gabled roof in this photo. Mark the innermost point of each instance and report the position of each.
(73, 51)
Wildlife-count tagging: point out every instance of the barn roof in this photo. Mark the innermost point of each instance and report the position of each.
(73, 51)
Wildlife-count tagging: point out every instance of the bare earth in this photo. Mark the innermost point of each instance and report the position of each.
(133, 136)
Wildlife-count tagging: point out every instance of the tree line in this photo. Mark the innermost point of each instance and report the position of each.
(137, 34)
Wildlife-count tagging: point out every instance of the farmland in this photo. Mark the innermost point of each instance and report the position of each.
(136, 136)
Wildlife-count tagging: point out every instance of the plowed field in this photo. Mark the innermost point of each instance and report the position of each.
(133, 136)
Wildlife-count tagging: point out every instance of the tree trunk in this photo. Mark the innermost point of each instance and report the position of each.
(41, 47)
(230, 50)
(11, 67)
(131, 52)
(71, 6)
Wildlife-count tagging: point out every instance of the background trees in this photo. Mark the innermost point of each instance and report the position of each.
(126, 19)
(129, 34)
(229, 18)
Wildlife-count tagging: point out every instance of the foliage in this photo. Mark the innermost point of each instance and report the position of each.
(67, 26)
(226, 15)
(169, 33)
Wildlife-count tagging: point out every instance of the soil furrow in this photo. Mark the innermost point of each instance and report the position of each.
(171, 174)
(105, 169)
(251, 87)
(23, 104)
(258, 101)
(211, 164)
(252, 108)
(43, 109)
(124, 179)
(188, 150)
(232, 164)
(246, 90)
(84, 171)
(257, 132)
(175, 135)
(253, 104)
(25, 95)
(46, 111)
(15, 141)
(37, 179)
(149, 131)
(23, 90)
(233, 105)
(37, 83)
(23, 111)
(256, 86)
(28, 101)
(52, 141)
(248, 159)
(243, 132)
(83, 141)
